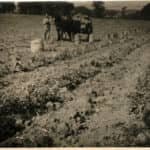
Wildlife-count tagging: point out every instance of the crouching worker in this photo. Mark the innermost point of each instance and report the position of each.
(47, 26)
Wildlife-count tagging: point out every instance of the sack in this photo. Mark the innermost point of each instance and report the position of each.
(91, 39)
(36, 45)
(77, 39)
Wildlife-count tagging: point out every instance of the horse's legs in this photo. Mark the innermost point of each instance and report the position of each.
(59, 33)
(88, 37)
(70, 36)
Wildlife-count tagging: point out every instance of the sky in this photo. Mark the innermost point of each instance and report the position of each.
(116, 4)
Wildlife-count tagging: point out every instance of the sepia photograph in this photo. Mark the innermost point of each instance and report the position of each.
(75, 73)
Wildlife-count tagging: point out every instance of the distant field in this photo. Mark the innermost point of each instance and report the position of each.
(74, 95)
(24, 28)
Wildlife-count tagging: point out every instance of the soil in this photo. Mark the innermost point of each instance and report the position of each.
(75, 95)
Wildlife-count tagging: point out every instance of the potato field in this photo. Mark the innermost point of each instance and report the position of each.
(68, 95)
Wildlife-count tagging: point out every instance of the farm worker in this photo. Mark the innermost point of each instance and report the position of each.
(53, 32)
(84, 23)
(89, 28)
(47, 25)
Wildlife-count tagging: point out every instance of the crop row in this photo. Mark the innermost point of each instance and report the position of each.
(17, 61)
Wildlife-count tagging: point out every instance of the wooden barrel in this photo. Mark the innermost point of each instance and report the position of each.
(36, 45)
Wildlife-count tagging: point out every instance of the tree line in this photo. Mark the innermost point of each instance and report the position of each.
(65, 8)
(51, 8)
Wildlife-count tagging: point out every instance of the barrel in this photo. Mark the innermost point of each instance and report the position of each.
(36, 45)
